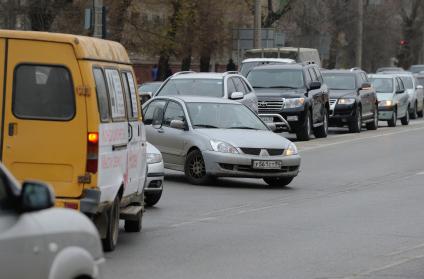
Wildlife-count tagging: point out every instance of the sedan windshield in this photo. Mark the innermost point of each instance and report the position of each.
(149, 87)
(223, 116)
(193, 87)
(276, 78)
(382, 85)
(339, 81)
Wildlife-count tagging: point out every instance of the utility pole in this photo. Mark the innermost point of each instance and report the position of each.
(360, 33)
(257, 22)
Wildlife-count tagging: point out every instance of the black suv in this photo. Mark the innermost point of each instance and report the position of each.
(353, 101)
(293, 93)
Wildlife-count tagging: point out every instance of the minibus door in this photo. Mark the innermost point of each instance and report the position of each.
(45, 122)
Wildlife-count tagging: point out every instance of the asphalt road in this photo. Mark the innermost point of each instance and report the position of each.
(355, 211)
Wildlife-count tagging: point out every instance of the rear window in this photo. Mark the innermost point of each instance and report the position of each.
(102, 97)
(193, 87)
(43, 92)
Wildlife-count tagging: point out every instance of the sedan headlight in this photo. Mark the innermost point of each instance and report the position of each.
(222, 146)
(386, 103)
(291, 150)
(153, 158)
(294, 102)
(346, 101)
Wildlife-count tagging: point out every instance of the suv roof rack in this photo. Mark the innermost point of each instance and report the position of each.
(307, 62)
(183, 73)
(355, 69)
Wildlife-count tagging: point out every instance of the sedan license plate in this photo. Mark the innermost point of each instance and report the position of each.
(292, 118)
(267, 119)
(267, 165)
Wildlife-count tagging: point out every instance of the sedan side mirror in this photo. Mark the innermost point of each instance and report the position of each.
(400, 91)
(314, 85)
(237, 96)
(419, 87)
(178, 124)
(36, 196)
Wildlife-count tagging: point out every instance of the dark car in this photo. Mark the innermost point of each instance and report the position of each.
(353, 101)
(294, 93)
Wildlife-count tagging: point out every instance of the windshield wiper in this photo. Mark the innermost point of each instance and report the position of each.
(205, 126)
(243, 127)
(289, 87)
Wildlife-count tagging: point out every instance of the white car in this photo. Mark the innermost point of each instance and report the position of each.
(154, 183)
(415, 92)
(38, 241)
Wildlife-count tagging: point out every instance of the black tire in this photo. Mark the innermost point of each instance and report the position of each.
(420, 113)
(413, 114)
(278, 181)
(322, 131)
(195, 169)
(150, 199)
(109, 243)
(355, 124)
(304, 132)
(374, 124)
(392, 122)
(405, 120)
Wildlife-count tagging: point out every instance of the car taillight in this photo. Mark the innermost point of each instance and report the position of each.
(92, 152)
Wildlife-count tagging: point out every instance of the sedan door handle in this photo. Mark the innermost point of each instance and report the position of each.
(118, 147)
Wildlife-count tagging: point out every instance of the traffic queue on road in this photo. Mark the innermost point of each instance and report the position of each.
(73, 118)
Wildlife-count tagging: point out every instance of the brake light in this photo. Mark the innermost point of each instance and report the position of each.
(92, 152)
(71, 205)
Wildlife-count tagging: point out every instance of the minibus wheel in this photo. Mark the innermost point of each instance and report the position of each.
(112, 230)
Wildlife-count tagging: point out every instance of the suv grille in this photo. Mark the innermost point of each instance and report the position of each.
(270, 106)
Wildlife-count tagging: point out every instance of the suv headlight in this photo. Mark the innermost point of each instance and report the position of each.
(222, 146)
(294, 102)
(291, 150)
(346, 101)
(153, 158)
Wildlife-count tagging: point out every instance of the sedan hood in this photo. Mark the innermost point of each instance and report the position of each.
(246, 138)
(335, 94)
(278, 93)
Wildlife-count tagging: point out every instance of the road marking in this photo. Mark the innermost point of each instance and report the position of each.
(378, 269)
(405, 250)
(420, 173)
(301, 149)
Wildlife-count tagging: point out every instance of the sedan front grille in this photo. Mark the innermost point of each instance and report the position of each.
(270, 106)
(257, 151)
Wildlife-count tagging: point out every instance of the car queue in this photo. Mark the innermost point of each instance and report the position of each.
(206, 125)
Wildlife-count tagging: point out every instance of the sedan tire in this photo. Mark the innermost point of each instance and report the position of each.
(405, 120)
(374, 124)
(195, 169)
(152, 198)
(278, 181)
(392, 122)
(414, 113)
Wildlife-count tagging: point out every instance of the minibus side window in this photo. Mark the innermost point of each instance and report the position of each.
(130, 108)
(102, 98)
(116, 95)
(133, 93)
(43, 92)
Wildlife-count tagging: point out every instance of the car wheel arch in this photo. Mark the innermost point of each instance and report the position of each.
(73, 262)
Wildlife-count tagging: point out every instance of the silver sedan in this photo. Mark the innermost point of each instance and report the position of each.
(211, 137)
